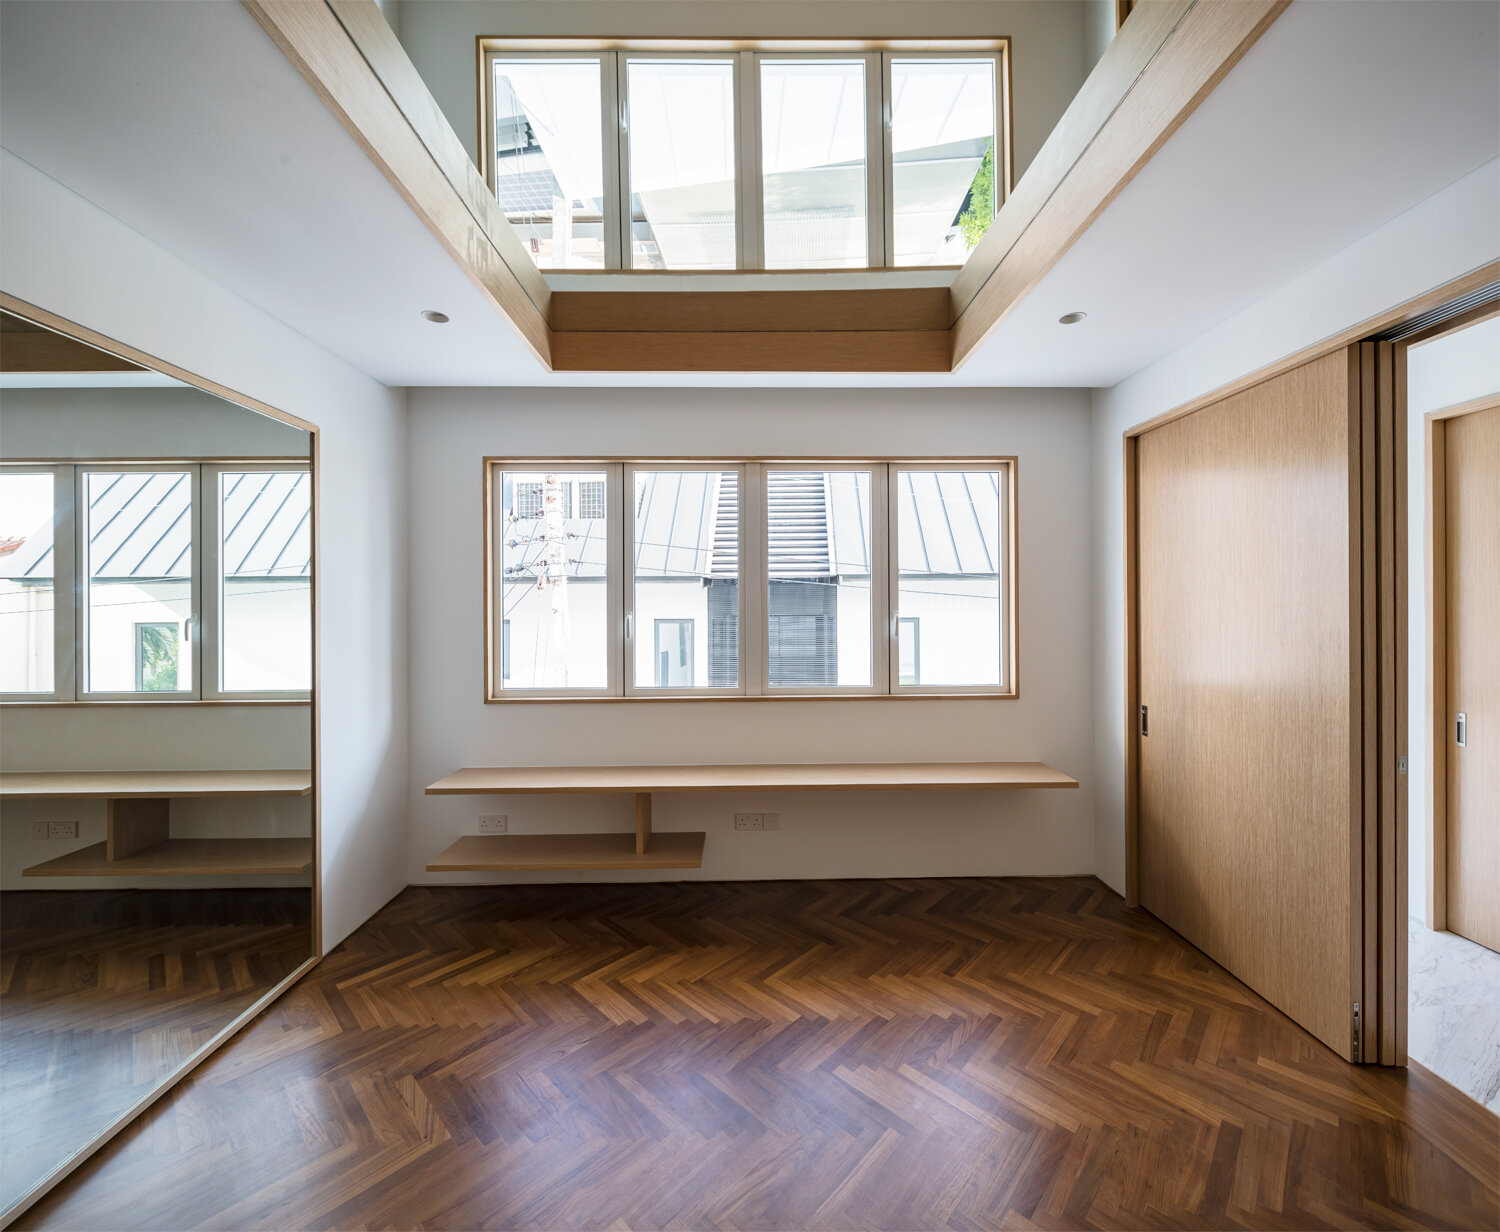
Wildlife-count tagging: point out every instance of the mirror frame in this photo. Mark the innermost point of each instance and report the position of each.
(81, 333)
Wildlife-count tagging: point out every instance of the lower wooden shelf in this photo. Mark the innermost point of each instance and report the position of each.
(185, 857)
(497, 853)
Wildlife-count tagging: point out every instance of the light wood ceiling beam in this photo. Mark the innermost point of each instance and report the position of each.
(310, 35)
(1165, 60)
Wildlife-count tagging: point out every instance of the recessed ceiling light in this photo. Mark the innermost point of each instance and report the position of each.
(1071, 318)
(437, 318)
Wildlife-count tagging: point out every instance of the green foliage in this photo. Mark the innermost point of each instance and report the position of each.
(158, 658)
(980, 210)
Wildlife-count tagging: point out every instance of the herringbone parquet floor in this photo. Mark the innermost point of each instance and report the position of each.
(862, 1054)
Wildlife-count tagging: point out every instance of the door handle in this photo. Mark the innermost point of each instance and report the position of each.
(1461, 729)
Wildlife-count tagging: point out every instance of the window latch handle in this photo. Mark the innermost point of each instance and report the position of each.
(629, 626)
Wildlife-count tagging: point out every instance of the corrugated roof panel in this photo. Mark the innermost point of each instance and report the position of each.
(140, 524)
(948, 521)
(674, 522)
(267, 523)
(849, 522)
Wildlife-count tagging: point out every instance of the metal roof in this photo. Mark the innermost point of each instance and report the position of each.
(140, 525)
(689, 525)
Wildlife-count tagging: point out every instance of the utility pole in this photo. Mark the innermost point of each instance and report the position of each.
(554, 576)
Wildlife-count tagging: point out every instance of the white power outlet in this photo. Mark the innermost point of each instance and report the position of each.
(749, 821)
(492, 823)
(62, 829)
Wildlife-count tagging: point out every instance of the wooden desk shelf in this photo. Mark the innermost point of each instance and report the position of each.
(138, 807)
(186, 857)
(684, 849)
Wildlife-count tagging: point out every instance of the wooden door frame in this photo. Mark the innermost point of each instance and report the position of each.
(1435, 525)
(1378, 940)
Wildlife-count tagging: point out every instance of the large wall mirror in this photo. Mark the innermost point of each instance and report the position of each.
(157, 815)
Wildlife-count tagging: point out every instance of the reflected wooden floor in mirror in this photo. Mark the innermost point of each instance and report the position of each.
(104, 992)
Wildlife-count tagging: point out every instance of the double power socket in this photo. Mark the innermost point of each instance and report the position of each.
(54, 829)
(757, 821)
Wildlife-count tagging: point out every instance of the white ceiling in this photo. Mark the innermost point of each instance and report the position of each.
(185, 122)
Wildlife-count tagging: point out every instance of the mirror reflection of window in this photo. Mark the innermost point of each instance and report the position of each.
(265, 563)
(26, 597)
(138, 531)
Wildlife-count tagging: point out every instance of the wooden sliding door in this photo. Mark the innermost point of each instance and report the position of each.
(1261, 561)
(1471, 444)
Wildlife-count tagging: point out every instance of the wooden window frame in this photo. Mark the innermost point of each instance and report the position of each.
(747, 56)
(754, 683)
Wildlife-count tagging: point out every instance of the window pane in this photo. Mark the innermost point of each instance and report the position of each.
(685, 552)
(948, 561)
(139, 534)
(818, 578)
(26, 610)
(682, 172)
(943, 146)
(265, 564)
(813, 164)
(549, 158)
(554, 587)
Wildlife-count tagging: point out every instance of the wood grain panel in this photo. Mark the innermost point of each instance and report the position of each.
(25, 347)
(134, 825)
(1473, 645)
(186, 857)
(151, 784)
(1163, 62)
(869, 308)
(966, 1053)
(791, 776)
(823, 351)
(1248, 833)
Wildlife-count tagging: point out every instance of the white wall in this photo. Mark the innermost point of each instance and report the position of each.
(1439, 374)
(1450, 234)
(1047, 40)
(65, 255)
(1098, 30)
(154, 422)
(823, 834)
